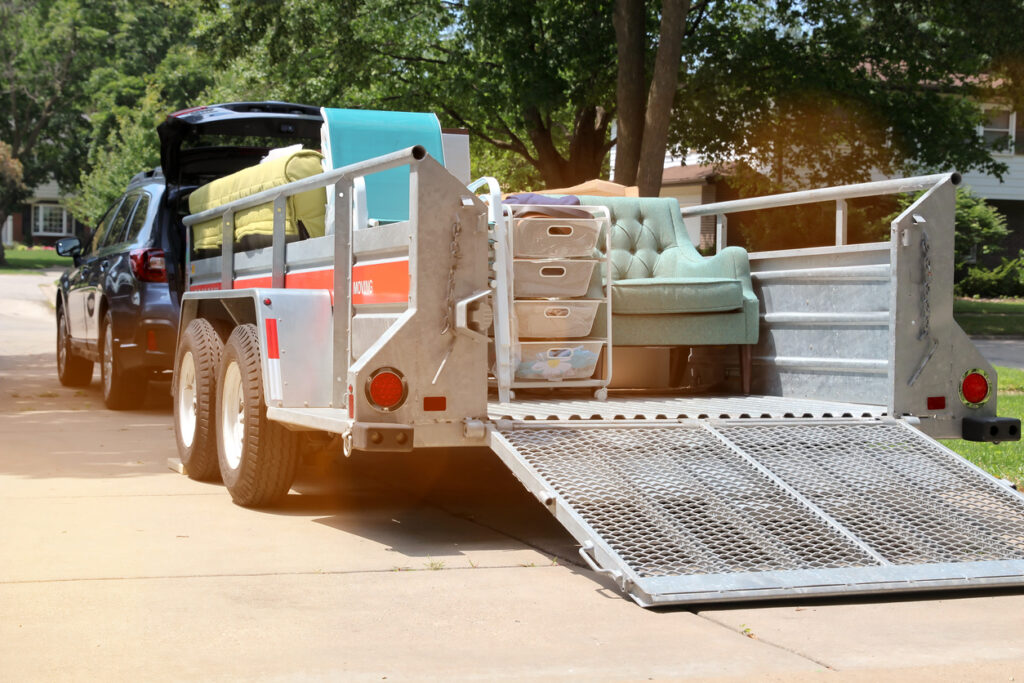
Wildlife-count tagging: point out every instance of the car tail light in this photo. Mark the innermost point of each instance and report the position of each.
(974, 388)
(386, 389)
(149, 265)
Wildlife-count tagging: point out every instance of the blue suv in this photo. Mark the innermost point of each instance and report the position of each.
(119, 305)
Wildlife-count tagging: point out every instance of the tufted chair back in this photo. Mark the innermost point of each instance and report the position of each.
(649, 238)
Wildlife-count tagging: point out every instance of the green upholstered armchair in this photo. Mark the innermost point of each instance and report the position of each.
(664, 293)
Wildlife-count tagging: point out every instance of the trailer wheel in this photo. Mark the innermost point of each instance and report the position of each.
(257, 457)
(195, 381)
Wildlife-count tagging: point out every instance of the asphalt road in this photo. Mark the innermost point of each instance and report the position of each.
(430, 566)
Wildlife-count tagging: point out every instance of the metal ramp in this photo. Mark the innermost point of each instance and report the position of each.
(722, 510)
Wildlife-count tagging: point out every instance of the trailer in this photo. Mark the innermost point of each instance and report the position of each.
(824, 479)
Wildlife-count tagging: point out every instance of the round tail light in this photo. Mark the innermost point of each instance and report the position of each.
(974, 388)
(386, 389)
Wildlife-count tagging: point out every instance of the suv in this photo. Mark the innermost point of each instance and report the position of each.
(119, 305)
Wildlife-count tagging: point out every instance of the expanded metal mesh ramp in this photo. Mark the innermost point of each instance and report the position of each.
(710, 511)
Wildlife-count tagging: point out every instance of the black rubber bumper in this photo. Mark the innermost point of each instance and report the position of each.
(992, 429)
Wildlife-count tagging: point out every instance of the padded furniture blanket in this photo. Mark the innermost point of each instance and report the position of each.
(353, 135)
(306, 208)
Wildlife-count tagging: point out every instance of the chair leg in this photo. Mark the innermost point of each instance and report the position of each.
(746, 353)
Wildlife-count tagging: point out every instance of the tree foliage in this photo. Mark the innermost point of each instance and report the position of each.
(823, 92)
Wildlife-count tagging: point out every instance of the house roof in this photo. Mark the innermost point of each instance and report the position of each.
(688, 175)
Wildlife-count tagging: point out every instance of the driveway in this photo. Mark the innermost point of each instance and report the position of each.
(430, 566)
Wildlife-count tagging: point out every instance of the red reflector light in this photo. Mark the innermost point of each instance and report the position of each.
(148, 265)
(974, 389)
(936, 403)
(434, 403)
(151, 340)
(386, 389)
(351, 403)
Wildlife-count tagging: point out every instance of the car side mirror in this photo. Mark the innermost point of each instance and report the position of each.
(69, 246)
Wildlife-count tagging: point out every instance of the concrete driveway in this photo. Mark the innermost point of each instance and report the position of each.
(435, 565)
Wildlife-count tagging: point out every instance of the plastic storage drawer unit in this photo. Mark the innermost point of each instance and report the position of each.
(552, 279)
(566, 319)
(555, 237)
(556, 360)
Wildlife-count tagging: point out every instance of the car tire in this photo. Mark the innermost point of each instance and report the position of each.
(72, 370)
(195, 395)
(257, 457)
(121, 389)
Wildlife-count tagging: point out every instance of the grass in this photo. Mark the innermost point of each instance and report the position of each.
(32, 259)
(990, 316)
(1005, 460)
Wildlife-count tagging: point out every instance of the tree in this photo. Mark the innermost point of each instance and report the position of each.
(67, 67)
(12, 189)
(824, 92)
(534, 80)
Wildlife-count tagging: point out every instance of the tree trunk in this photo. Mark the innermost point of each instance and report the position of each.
(586, 151)
(664, 82)
(3, 222)
(629, 19)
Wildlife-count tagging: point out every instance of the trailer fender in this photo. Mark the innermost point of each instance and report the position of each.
(292, 326)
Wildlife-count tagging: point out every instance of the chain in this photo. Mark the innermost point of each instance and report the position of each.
(455, 253)
(926, 265)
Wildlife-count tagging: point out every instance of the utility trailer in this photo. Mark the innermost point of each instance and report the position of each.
(825, 480)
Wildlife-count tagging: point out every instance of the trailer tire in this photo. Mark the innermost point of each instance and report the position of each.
(195, 394)
(257, 457)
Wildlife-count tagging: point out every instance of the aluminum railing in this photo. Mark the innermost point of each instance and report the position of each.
(839, 195)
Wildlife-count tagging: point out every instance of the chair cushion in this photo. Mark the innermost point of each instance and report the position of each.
(645, 296)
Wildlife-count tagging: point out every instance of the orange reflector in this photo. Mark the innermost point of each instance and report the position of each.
(434, 403)
(974, 388)
(386, 389)
(151, 340)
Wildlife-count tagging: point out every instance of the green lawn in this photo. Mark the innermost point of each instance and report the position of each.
(990, 317)
(1005, 460)
(29, 260)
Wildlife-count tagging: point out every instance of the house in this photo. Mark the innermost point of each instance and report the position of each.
(43, 221)
(1004, 128)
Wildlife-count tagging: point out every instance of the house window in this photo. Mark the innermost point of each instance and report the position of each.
(1004, 131)
(50, 219)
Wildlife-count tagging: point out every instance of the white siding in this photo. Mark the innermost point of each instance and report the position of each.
(989, 187)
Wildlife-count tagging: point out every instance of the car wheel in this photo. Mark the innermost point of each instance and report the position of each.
(195, 381)
(257, 457)
(121, 389)
(72, 370)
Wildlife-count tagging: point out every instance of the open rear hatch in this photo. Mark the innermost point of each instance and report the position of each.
(204, 143)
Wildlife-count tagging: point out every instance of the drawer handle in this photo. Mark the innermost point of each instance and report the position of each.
(552, 271)
(556, 313)
(559, 353)
(560, 230)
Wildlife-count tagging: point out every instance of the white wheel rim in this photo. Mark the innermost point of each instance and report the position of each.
(232, 415)
(187, 399)
(108, 359)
